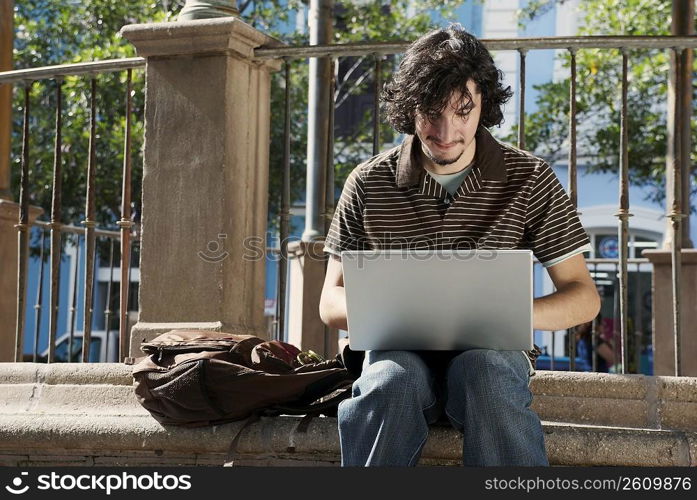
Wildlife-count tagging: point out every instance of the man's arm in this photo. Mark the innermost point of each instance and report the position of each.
(332, 303)
(576, 300)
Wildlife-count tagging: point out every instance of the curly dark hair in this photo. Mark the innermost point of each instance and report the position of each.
(436, 65)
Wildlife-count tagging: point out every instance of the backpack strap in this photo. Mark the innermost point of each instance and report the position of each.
(301, 428)
(313, 408)
(352, 360)
(233, 453)
(309, 412)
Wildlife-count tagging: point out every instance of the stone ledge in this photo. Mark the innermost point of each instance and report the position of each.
(688, 256)
(614, 386)
(132, 440)
(88, 414)
(66, 373)
(652, 402)
(64, 399)
(583, 398)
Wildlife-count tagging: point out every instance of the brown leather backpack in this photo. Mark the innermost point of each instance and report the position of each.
(198, 377)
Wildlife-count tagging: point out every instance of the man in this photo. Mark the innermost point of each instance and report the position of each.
(450, 184)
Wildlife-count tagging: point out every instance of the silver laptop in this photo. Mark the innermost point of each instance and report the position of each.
(439, 299)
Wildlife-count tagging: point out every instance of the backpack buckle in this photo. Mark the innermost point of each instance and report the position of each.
(308, 357)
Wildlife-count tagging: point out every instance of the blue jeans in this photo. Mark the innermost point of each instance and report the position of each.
(484, 393)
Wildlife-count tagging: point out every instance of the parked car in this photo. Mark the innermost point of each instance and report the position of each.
(98, 348)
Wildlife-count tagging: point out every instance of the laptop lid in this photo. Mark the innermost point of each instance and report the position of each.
(439, 299)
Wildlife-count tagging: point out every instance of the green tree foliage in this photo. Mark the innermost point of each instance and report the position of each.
(364, 21)
(598, 94)
(50, 32)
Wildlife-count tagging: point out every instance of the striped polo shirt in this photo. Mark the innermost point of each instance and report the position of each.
(510, 200)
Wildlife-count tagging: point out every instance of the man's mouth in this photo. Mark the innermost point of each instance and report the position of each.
(444, 146)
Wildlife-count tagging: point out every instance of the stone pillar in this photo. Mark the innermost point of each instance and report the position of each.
(205, 177)
(305, 328)
(662, 291)
(9, 216)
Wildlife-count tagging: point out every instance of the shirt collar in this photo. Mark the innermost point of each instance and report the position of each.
(488, 160)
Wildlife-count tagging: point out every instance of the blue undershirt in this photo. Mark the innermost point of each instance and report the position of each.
(451, 182)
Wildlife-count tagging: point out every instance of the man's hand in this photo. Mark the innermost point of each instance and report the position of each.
(332, 303)
(576, 300)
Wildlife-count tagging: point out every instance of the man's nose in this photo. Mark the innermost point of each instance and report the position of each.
(443, 128)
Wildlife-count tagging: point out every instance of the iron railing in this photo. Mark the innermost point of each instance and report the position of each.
(27, 77)
(73, 349)
(377, 51)
(522, 46)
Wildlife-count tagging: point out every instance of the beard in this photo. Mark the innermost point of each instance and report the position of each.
(439, 160)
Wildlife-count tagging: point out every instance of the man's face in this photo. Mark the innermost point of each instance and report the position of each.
(449, 139)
